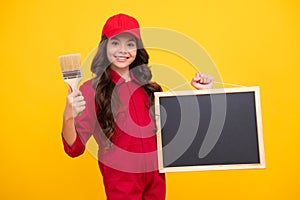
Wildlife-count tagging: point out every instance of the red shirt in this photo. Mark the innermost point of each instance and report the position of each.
(133, 143)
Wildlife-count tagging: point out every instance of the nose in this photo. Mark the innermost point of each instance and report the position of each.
(123, 49)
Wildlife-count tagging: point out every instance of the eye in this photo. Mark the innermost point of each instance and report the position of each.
(131, 44)
(115, 43)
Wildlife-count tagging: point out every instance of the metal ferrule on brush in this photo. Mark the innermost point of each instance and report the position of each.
(69, 74)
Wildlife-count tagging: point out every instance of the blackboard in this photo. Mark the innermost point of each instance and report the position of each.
(216, 129)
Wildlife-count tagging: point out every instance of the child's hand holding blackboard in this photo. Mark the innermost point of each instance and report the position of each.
(202, 81)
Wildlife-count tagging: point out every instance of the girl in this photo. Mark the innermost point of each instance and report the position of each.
(116, 108)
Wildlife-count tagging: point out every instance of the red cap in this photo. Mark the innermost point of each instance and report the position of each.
(121, 23)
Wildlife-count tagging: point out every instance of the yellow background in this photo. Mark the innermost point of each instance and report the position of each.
(251, 42)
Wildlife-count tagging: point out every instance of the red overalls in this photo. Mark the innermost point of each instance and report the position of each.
(129, 166)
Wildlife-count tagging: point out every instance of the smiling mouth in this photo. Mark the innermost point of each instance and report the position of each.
(121, 58)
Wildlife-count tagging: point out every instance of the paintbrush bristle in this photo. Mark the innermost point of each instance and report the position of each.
(70, 62)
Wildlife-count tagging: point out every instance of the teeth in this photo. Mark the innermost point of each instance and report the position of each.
(121, 58)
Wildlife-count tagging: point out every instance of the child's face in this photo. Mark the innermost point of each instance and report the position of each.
(121, 52)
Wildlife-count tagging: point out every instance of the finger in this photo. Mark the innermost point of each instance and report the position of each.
(205, 79)
(70, 98)
(80, 103)
(78, 98)
(202, 78)
(77, 93)
(81, 108)
(195, 79)
(78, 110)
(210, 79)
(74, 98)
(69, 90)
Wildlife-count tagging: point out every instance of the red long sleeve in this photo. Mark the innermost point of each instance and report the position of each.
(77, 148)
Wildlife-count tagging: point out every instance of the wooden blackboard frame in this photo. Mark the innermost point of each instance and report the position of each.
(226, 91)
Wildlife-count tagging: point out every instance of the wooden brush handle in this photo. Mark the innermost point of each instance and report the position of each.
(73, 83)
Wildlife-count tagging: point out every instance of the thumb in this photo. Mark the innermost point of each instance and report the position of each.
(69, 90)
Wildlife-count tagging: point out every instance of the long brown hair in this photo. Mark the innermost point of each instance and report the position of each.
(106, 99)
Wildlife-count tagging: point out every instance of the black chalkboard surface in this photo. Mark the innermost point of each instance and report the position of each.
(214, 129)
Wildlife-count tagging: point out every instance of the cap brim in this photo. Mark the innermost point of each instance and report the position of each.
(134, 32)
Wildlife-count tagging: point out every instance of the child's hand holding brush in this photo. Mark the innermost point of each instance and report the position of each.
(75, 104)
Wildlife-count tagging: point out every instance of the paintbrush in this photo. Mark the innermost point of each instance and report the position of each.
(71, 69)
